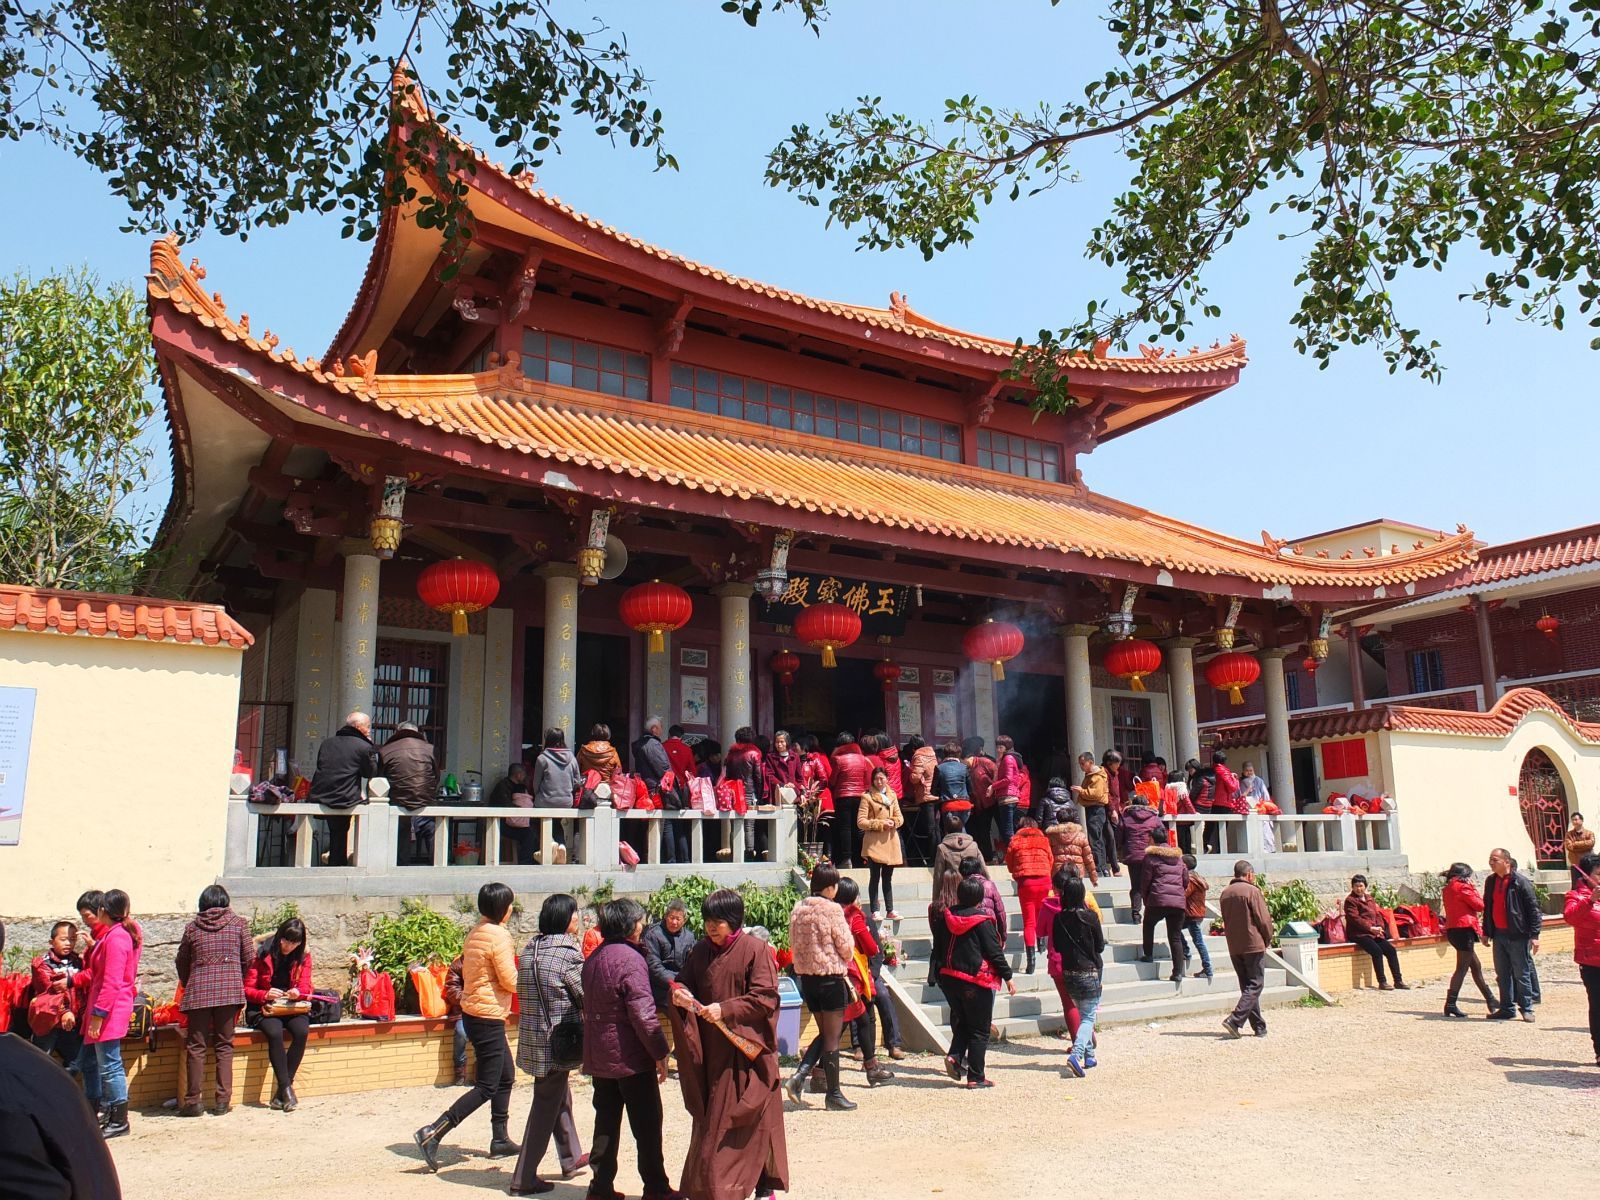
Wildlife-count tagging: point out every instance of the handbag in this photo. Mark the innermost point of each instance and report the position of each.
(596, 791)
(286, 1008)
(702, 795)
(521, 800)
(566, 1037)
(622, 793)
(44, 1012)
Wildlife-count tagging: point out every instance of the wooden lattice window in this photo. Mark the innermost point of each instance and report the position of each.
(1132, 729)
(1427, 670)
(413, 684)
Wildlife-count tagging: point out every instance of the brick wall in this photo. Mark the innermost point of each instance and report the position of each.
(1213, 705)
(1454, 635)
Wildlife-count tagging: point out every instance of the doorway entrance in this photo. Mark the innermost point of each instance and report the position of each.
(1032, 709)
(1304, 761)
(846, 698)
(1543, 798)
(603, 678)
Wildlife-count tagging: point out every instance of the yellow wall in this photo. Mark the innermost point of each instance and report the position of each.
(1456, 795)
(1342, 971)
(127, 773)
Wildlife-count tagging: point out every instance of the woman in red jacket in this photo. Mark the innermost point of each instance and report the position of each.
(1582, 912)
(1030, 861)
(1463, 927)
(852, 772)
(282, 972)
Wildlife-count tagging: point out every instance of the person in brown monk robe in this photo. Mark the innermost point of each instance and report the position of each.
(729, 986)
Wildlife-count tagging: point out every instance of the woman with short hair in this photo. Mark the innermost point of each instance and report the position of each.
(1364, 925)
(624, 1053)
(488, 982)
(214, 955)
(729, 985)
(281, 972)
(549, 993)
(823, 948)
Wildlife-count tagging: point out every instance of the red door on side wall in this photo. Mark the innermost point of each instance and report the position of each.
(1543, 798)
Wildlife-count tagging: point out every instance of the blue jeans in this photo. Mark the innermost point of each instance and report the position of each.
(89, 1068)
(1195, 928)
(1087, 998)
(1006, 817)
(459, 1053)
(110, 1079)
(1513, 968)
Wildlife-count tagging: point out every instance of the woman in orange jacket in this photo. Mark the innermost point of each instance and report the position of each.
(1030, 861)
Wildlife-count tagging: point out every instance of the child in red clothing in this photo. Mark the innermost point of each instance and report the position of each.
(1030, 861)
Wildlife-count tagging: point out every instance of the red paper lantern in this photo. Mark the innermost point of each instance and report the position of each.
(1309, 665)
(993, 642)
(784, 664)
(458, 586)
(1133, 660)
(656, 608)
(827, 627)
(1548, 626)
(1232, 673)
(888, 674)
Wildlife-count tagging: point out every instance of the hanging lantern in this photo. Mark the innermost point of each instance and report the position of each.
(888, 674)
(993, 642)
(1548, 626)
(1133, 660)
(655, 608)
(1319, 648)
(1232, 673)
(784, 664)
(1309, 665)
(827, 627)
(459, 587)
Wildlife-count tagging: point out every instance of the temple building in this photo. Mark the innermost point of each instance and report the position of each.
(572, 413)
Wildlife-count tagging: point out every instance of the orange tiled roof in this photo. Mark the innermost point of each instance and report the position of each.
(43, 610)
(797, 471)
(1499, 721)
(1535, 556)
(897, 318)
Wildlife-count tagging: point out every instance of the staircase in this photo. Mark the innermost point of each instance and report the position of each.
(1133, 991)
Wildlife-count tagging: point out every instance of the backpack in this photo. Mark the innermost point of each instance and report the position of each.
(325, 1008)
(140, 1022)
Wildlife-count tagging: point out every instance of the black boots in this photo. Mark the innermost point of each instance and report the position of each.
(1451, 1009)
(116, 1121)
(1028, 966)
(429, 1136)
(836, 1098)
(500, 1143)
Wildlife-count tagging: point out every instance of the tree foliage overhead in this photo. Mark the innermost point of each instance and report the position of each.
(76, 397)
(233, 114)
(1386, 134)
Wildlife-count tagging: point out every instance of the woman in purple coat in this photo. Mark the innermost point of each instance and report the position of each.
(625, 1053)
(113, 968)
(1165, 883)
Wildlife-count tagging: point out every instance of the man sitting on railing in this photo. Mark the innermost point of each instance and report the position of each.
(344, 762)
(406, 761)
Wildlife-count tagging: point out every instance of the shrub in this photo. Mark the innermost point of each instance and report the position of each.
(765, 906)
(415, 936)
(1292, 901)
(263, 922)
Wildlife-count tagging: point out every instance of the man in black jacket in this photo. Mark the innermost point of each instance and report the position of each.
(1511, 925)
(344, 762)
(49, 1146)
(666, 946)
(650, 763)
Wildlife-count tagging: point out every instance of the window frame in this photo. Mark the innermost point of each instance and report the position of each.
(629, 367)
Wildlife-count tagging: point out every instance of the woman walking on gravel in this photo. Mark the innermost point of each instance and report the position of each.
(973, 966)
(1463, 928)
(822, 945)
(1079, 941)
(1582, 912)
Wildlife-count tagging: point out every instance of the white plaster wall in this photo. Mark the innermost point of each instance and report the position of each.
(127, 773)
(1456, 795)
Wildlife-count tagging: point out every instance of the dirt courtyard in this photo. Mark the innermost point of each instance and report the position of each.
(1380, 1095)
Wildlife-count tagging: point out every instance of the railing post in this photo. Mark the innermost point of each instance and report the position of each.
(786, 836)
(375, 837)
(697, 841)
(441, 841)
(304, 840)
(1255, 846)
(606, 833)
(1347, 833)
(1392, 821)
(491, 841)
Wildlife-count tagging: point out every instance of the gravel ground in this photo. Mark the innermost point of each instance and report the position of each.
(1380, 1095)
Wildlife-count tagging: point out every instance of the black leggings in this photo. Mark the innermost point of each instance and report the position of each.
(1382, 950)
(495, 1074)
(846, 837)
(971, 1011)
(1465, 942)
(1591, 984)
(876, 872)
(1153, 916)
(285, 1063)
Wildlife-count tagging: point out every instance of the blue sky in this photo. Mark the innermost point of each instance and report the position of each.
(1502, 444)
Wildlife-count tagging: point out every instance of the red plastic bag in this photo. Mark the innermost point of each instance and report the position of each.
(730, 796)
(14, 997)
(375, 1001)
(622, 793)
(628, 855)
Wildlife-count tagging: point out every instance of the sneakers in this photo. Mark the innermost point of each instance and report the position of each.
(893, 915)
(1528, 1016)
(1233, 1030)
(1090, 1062)
(879, 915)
(1074, 1065)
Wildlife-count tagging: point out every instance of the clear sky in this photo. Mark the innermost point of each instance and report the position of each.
(1503, 444)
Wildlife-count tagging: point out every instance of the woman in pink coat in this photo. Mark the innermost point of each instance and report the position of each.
(113, 967)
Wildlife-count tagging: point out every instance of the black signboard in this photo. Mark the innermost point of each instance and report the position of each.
(883, 608)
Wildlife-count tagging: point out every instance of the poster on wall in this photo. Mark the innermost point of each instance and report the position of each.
(910, 713)
(694, 704)
(16, 736)
(944, 715)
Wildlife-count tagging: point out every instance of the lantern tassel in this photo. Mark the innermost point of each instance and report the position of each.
(828, 660)
(658, 642)
(999, 671)
(1235, 696)
(458, 622)
(1137, 683)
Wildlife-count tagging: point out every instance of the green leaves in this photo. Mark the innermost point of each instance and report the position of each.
(76, 397)
(1382, 136)
(417, 935)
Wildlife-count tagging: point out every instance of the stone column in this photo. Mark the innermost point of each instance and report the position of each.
(315, 693)
(1491, 677)
(734, 702)
(498, 746)
(1358, 684)
(561, 647)
(1080, 698)
(1280, 768)
(658, 683)
(985, 717)
(1180, 689)
(358, 639)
